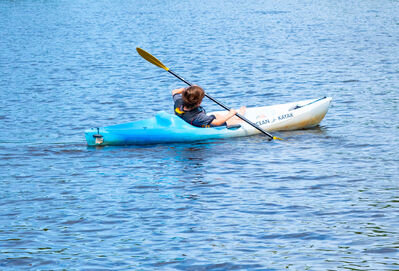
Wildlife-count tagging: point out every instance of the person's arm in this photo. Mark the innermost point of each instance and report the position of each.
(220, 119)
(177, 91)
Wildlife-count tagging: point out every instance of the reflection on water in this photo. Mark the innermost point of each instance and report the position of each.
(316, 131)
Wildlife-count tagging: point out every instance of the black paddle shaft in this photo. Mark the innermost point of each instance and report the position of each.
(227, 108)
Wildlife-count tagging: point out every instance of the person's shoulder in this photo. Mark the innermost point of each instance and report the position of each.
(177, 96)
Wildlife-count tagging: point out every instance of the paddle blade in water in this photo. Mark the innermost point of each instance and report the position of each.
(150, 58)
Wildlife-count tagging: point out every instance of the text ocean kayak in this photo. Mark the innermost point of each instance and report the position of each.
(167, 128)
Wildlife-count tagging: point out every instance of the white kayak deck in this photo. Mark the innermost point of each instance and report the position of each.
(289, 116)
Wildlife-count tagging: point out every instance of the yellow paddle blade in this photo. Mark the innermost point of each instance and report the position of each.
(277, 138)
(150, 58)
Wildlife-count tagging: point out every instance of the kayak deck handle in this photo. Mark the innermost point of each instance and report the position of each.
(234, 127)
(99, 138)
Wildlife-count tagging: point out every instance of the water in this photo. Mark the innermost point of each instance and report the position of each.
(323, 199)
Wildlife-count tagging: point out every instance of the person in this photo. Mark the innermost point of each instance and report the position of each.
(187, 105)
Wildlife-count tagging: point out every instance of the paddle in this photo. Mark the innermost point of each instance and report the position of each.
(150, 58)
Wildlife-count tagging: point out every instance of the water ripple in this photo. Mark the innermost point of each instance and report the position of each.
(325, 198)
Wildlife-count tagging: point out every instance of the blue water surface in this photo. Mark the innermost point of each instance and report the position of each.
(325, 198)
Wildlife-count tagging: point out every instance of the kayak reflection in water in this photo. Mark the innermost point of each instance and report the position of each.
(188, 107)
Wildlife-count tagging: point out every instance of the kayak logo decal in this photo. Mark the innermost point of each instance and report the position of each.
(261, 122)
(280, 118)
(285, 116)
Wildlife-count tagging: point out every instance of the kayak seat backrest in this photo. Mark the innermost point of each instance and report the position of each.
(168, 120)
(163, 119)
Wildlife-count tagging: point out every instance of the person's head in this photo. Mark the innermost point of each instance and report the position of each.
(192, 96)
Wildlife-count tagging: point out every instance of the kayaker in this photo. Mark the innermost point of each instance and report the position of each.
(188, 107)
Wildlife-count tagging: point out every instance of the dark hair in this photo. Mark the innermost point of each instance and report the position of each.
(192, 96)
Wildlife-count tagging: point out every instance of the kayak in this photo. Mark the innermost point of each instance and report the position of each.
(168, 128)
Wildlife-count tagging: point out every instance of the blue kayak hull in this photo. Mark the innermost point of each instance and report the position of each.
(163, 128)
